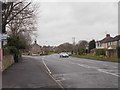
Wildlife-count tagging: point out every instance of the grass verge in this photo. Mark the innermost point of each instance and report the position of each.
(51, 53)
(102, 58)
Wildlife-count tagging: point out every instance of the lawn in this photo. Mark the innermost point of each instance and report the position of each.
(97, 58)
(49, 53)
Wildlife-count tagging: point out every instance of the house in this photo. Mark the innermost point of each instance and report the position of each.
(35, 49)
(110, 44)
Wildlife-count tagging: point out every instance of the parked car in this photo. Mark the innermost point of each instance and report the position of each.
(64, 55)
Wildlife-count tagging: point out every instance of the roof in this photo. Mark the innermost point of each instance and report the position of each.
(108, 38)
(35, 44)
(116, 38)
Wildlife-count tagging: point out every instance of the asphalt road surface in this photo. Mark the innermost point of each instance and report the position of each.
(65, 72)
(81, 73)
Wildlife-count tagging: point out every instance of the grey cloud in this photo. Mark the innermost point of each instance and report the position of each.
(59, 22)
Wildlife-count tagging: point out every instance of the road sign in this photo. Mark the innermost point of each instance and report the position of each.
(3, 36)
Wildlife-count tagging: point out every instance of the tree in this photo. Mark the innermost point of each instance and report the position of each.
(92, 44)
(18, 17)
(23, 24)
(81, 47)
(118, 51)
(65, 47)
(15, 44)
(7, 9)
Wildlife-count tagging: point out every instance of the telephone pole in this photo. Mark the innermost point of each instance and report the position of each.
(73, 51)
(73, 38)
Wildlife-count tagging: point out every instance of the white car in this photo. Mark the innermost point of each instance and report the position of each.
(64, 55)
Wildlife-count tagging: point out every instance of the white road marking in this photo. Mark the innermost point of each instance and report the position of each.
(83, 65)
(104, 71)
(46, 67)
(87, 66)
(110, 66)
(100, 70)
(97, 68)
(50, 74)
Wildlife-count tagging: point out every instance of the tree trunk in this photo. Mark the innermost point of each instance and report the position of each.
(15, 58)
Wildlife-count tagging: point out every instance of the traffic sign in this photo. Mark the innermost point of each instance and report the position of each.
(3, 36)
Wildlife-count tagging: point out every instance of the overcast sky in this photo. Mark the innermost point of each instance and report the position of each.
(58, 22)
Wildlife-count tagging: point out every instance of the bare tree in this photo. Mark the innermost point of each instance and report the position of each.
(7, 12)
(19, 18)
(24, 23)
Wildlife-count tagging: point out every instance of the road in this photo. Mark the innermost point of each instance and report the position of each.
(82, 73)
(65, 72)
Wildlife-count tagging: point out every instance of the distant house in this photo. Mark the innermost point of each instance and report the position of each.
(110, 44)
(35, 49)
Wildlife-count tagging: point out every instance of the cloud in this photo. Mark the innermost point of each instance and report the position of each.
(60, 21)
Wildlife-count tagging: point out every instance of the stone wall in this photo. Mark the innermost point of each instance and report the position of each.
(7, 61)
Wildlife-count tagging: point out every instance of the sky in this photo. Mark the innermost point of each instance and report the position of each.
(59, 22)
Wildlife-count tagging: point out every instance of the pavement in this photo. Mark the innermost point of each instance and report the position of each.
(28, 73)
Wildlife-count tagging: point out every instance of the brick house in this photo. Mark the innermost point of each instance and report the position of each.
(110, 44)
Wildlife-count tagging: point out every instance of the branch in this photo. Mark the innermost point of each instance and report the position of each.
(18, 13)
(11, 8)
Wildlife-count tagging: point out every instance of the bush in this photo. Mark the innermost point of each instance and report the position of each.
(118, 51)
(100, 51)
(15, 44)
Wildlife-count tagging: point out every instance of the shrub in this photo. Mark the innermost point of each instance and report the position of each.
(100, 51)
(118, 51)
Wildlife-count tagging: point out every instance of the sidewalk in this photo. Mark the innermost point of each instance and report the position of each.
(28, 73)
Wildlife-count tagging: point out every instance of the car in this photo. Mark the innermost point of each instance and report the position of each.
(69, 53)
(64, 55)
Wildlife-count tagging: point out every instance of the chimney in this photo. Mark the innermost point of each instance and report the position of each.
(107, 35)
(35, 42)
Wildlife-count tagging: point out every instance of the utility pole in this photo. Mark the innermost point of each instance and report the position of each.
(73, 51)
(73, 38)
